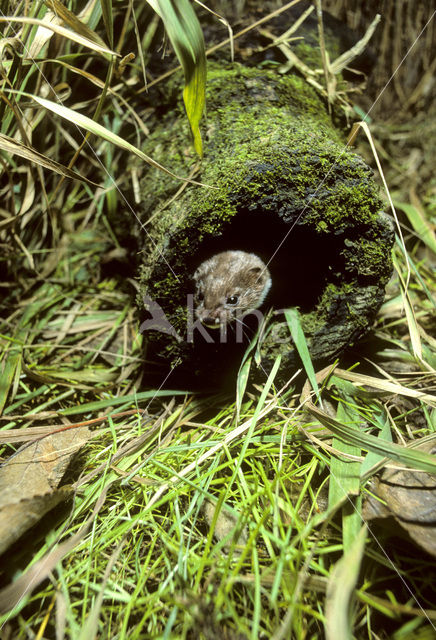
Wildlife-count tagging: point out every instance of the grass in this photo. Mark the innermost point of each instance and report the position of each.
(238, 516)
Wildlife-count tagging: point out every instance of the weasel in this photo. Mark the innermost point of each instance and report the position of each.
(228, 285)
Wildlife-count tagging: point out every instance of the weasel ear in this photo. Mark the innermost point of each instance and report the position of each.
(255, 271)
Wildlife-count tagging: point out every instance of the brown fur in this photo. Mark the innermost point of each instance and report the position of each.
(224, 278)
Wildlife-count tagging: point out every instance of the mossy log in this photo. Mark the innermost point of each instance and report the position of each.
(283, 185)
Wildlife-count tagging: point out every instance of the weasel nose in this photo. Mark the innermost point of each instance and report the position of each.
(212, 317)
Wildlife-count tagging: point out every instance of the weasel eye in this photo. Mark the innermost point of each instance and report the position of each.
(232, 300)
(200, 296)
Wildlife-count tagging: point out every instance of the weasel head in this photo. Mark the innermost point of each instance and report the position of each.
(228, 285)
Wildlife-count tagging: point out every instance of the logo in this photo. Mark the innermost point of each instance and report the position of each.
(237, 330)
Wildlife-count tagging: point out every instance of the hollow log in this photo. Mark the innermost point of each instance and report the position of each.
(281, 184)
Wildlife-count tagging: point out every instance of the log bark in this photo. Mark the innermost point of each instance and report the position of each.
(283, 185)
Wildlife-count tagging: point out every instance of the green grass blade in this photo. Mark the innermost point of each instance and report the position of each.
(72, 21)
(420, 224)
(340, 590)
(404, 455)
(186, 36)
(132, 398)
(241, 384)
(9, 367)
(194, 98)
(345, 479)
(244, 372)
(372, 460)
(106, 8)
(293, 319)
(94, 127)
(431, 297)
(257, 411)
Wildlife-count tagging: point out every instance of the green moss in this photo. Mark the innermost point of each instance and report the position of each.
(333, 291)
(311, 56)
(365, 256)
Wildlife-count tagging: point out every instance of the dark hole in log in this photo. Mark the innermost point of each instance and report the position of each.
(301, 261)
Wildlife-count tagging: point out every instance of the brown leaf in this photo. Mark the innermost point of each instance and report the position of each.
(29, 481)
(24, 585)
(410, 498)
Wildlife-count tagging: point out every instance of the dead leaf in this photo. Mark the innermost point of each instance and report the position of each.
(29, 481)
(410, 498)
(23, 586)
(225, 524)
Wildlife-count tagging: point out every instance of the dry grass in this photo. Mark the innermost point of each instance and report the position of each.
(188, 516)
